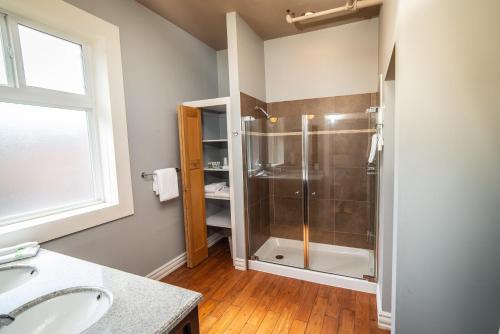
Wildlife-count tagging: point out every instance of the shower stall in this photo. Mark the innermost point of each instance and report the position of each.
(311, 187)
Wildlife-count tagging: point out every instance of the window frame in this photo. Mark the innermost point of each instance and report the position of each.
(103, 103)
(6, 50)
(20, 93)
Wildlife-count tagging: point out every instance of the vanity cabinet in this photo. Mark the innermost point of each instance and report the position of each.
(189, 325)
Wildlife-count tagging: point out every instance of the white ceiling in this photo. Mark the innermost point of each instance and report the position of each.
(205, 19)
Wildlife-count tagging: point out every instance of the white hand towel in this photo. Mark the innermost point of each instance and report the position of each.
(20, 253)
(166, 184)
(16, 248)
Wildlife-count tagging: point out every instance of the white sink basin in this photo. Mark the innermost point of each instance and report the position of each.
(65, 311)
(13, 276)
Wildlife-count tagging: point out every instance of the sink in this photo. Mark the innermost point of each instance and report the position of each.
(13, 276)
(71, 310)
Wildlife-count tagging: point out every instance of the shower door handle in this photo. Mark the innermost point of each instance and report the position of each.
(373, 148)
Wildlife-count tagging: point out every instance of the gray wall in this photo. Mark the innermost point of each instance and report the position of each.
(223, 73)
(447, 167)
(386, 201)
(335, 61)
(162, 66)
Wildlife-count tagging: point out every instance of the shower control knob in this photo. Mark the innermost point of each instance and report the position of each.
(235, 133)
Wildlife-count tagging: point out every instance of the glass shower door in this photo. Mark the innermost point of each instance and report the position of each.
(340, 197)
(274, 197)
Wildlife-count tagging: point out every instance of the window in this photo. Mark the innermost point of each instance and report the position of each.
(63, 144)
(49, 150)
(51, 62)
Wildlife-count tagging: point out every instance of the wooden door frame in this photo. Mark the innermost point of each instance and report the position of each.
(219, 102)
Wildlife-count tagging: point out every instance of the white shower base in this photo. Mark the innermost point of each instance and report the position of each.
(339, 260)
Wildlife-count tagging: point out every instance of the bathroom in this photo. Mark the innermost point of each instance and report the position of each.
(350, 146)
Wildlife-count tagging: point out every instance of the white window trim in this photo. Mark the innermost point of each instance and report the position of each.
(106, 97)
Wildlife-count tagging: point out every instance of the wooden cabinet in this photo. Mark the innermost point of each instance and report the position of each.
(189, 325)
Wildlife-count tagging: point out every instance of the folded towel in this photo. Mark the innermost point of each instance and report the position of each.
(223, 192)
(13, 249)
(19, 252)
(213, 187)
(165, 184)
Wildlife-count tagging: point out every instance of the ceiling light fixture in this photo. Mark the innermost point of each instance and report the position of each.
(348, 8)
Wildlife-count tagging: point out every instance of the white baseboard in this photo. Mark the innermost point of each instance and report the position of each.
(168, 267)
(240, 264)
(213, 239)
(314, 276)
(384, 318)
(179, 261)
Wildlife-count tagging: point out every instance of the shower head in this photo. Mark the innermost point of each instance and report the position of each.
(263, 111)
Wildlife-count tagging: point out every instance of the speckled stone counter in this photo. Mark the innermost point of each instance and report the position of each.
(140, 305)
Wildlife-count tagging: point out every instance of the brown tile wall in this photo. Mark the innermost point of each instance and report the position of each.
(341, 193)
(258, 202)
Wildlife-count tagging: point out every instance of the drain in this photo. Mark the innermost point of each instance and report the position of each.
(279, 257)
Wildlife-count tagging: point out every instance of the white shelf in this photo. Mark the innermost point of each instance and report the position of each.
(214, 140)
(220, 219)
(213, 196)
(223, 169)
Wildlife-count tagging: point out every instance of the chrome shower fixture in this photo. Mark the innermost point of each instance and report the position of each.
(263, 111)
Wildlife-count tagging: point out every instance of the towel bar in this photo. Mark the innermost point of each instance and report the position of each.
(144, 174)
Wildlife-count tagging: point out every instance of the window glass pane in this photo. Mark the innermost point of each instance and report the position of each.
(45, 156)
(3, 70)
(51, 62)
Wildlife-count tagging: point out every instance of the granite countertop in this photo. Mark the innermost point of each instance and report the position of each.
(140, 305)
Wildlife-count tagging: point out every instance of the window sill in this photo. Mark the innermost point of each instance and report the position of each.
(58, 225)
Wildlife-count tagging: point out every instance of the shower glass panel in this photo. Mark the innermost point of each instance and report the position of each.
(310, 190)
(341, 193)
(274, 201)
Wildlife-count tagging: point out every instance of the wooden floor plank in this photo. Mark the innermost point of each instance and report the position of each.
(346, 322)
(287, 294)
(333, 308)
(206, 307)
(308, 295)
(248, 290)
(223, 322)
(249, 329)
(317, 314)
(268, 323)
(347, 299)
(362, 314)
(207, 323)
(270, 293)
(241, 318)
(298, 327)
(286, 318)
(255, 302)
(228, 285)
(330, 325)
(220, 309)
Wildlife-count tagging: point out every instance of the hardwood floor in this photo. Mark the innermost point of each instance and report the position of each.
(255, 302)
